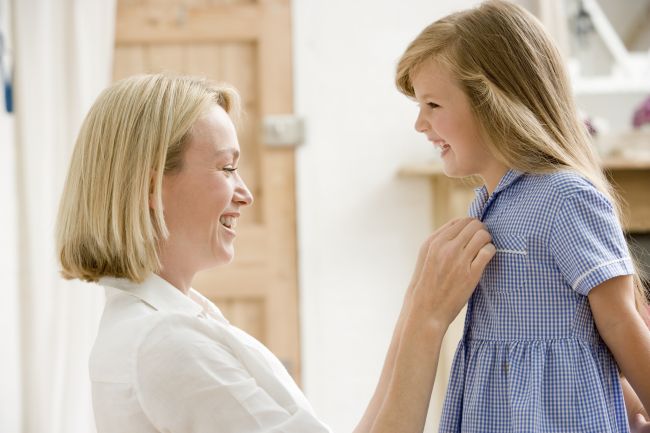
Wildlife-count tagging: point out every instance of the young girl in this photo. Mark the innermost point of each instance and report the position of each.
(555, 314)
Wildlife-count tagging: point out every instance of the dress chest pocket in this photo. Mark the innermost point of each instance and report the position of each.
(507, 270)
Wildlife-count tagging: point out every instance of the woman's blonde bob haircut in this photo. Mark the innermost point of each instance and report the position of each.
(517, 86)
(135, 132)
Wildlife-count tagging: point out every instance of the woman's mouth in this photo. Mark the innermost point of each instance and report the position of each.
(229, 222)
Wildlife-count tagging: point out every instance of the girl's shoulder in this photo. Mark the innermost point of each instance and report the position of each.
(562, 184)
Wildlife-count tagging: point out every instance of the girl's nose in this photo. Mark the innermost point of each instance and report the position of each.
(421, 125)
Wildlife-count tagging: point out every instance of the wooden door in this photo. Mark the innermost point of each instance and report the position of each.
(246, 43)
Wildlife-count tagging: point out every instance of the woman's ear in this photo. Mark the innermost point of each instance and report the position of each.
(153, 201)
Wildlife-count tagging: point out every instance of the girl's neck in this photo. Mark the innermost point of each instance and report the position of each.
(493, 175)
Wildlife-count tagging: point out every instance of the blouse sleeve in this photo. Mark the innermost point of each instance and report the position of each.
(188, 382)
(587, 241)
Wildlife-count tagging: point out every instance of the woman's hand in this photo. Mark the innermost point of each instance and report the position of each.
(449, 266)
(636, 413)
(638, 424)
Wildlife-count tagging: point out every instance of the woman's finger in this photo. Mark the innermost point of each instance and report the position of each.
(469, 231)
(452, 229)
(482, 258)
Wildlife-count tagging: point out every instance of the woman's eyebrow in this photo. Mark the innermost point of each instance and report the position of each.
(233, 152)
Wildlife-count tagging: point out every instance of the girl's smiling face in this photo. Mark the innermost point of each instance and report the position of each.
(447, 120)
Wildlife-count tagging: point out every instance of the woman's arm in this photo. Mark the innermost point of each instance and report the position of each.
(448, 268)
(623, 330)
(636, 413)
(377, 400)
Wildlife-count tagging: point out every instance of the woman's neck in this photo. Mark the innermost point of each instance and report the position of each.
(175, 271)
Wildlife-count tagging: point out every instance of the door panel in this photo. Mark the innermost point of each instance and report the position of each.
(246, 44)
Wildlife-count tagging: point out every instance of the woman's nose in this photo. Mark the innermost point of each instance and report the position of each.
(243, 195)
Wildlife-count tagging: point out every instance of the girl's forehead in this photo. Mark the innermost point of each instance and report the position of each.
(432, 77)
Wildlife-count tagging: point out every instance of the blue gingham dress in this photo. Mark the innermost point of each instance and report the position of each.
(531, 358)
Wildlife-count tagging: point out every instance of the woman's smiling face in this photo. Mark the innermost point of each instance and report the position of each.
(202, 200)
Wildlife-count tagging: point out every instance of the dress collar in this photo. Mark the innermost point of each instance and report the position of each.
(508, 179)
(482, 197)
(158, 293)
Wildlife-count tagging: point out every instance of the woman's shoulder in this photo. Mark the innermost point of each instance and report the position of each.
(169, 334)
(131, 330)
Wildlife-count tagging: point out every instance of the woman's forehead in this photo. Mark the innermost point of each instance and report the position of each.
(214, 134)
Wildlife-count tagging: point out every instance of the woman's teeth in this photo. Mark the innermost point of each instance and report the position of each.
(228, 221)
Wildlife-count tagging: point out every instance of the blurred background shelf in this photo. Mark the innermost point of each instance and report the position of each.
(450, 197)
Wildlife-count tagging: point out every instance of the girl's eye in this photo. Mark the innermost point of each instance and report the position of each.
(432, 105)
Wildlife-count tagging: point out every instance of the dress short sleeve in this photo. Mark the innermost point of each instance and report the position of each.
(189, 382)
(587, 241)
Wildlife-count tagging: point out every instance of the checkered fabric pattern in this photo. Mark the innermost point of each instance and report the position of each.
(531, 358)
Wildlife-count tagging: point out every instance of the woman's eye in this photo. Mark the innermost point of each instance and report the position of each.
(432, 105)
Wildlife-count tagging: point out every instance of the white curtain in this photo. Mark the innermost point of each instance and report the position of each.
(9, 307)
(63, 59)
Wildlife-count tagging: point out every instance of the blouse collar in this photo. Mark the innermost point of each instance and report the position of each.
(158, 293)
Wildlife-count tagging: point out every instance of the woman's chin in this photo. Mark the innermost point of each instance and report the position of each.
(217, 259)
(224, 255)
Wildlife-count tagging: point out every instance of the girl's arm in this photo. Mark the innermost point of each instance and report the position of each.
(448, 268)
(623, 330)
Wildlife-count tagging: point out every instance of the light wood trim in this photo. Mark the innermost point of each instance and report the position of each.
(633, 186)
(276, 97)
(434, 168)
(621, 164)
(283, 258)
(276, 58)
(217, 23)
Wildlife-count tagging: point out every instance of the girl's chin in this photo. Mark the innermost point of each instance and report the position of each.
(452, 171)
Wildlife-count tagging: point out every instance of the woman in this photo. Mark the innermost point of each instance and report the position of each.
(152, 197)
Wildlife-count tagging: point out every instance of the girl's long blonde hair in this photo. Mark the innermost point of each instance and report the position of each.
(134, 133)
(518, 89)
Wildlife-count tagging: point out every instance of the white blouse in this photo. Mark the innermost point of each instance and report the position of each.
(167, 362)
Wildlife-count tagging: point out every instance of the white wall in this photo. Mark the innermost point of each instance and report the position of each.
(360, 225)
